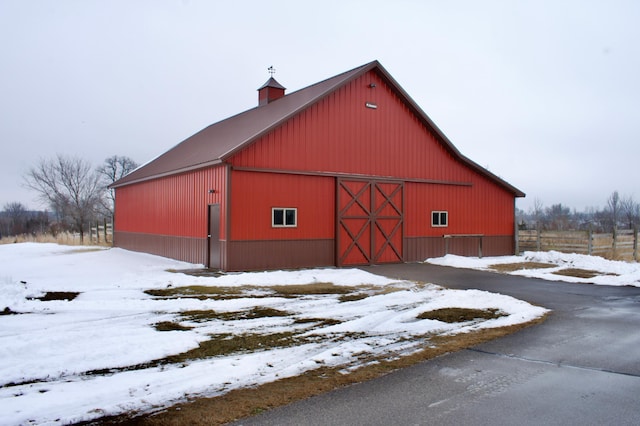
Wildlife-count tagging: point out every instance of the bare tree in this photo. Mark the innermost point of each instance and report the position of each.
(558, 217)
(114, 168)
(70, 186)
(16, 218)
(631, 211)
(613, 209)
(537, 210)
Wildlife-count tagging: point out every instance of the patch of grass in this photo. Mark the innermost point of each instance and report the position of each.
(57, 295)
(352, 297)
(455, 315)
(218, 345)
(285, 291)
(199, 315)
(579, 273)
(246, 402)
(194, 290)
(362, 292)
(171, 326)
(310, 289)
(511, 267)
(256, 312)
(201, 292)
(226, 344)
(320, 322)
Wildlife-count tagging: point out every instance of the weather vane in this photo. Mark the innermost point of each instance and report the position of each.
(271, 70)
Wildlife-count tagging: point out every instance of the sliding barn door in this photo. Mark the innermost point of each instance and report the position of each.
(370, 222)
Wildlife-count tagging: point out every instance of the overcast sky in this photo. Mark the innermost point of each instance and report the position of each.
(545, 94)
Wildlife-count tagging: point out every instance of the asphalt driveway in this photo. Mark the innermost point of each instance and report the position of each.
(581, 366)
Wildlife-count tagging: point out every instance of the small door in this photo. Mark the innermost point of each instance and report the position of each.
(370, 222)
(214, 236)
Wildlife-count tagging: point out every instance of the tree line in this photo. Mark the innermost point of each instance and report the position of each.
(620, 212)
(75, 193)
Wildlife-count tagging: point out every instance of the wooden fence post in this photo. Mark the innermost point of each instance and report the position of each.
(538, 238)
(635, 242)
(590, 240)
(104, 223)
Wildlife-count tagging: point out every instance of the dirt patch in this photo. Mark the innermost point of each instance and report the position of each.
(242, 403)
(56, 295)
(511, 267)
(8, 311)
(454, 315)
(171, 326)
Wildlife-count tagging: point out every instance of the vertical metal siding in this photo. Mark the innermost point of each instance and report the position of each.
(173, 205)
(255, 194)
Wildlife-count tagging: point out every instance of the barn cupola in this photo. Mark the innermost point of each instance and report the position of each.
(271, 90)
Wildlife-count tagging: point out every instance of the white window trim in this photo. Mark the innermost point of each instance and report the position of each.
(439, 212)
(284, 216)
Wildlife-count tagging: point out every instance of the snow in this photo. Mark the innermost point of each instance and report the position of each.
(48, 348)
(609, 272)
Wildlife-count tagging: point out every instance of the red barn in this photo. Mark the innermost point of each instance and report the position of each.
(348, 171)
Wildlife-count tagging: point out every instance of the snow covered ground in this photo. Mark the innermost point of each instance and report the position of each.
(48, 347)
(607, 272)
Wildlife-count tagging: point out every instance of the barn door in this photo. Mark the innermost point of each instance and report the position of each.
(214, 236)
(370, 221)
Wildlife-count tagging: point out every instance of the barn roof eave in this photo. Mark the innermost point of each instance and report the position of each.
(117, 184)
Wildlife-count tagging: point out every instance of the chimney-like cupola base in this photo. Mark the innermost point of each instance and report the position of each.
(270, 91)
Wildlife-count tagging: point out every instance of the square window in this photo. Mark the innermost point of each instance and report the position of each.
(290, 217)
(278, 217)
(284, 217)
(439, 218)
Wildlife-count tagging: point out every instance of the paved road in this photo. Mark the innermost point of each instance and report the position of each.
(580, 367)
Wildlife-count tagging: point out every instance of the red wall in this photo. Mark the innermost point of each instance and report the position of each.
(340, 134)
(173, 205)
(255, 194)
(479, 209)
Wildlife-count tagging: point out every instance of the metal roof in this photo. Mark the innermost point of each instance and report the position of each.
(217, 142)
(272, 83)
